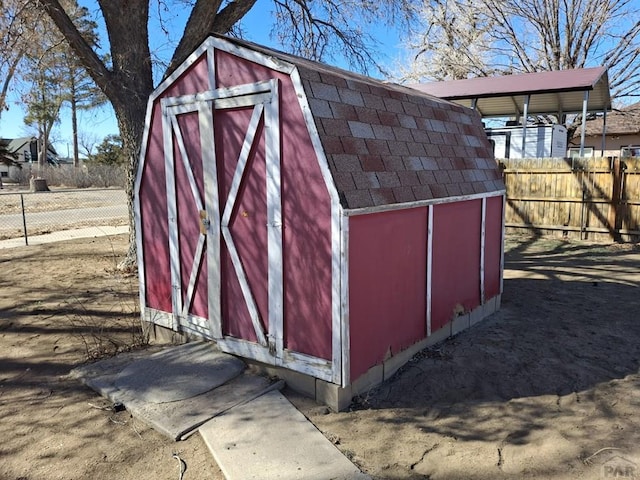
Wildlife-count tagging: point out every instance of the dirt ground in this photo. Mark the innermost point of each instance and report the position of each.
(59, 304)
(548, 388)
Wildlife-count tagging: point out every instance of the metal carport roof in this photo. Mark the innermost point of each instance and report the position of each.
(556, 92)
(559, 92)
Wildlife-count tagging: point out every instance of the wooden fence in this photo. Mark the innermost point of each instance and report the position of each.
(596, 198)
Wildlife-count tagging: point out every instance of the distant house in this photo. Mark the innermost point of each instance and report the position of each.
(622, 136)
(23, 151)
(5, 155)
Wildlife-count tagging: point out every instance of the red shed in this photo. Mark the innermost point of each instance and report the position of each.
(309, 218)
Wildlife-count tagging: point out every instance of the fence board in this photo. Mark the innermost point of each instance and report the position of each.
(596, 199)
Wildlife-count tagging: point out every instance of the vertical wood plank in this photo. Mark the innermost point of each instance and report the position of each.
(429, 266)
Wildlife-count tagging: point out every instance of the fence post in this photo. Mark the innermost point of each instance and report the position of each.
(614, 218)
(24, 220)
(583, 206)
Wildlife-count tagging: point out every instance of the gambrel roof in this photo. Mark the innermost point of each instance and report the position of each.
(389, 144)
(386, 144)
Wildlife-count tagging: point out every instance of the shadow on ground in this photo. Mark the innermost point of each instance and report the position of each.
(532, 391)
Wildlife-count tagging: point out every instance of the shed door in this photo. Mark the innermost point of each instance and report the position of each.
(187, 216)
(234, 212)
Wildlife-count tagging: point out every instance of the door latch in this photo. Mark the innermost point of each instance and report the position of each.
(204, 222)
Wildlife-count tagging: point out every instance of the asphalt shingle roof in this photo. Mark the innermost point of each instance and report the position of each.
(625, 121)
(389, 144)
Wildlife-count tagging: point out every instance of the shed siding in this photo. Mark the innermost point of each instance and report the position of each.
(247, 223)
(387, 284)
(493, 247)
(155, 231)
(307, 245)
(456, 259)
(195, 79)
(306, 211)
(154, 202)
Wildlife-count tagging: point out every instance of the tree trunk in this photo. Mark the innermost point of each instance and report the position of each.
(42, 150)
(129, 90)
(131, 122)
(38, 185)
(129, 82)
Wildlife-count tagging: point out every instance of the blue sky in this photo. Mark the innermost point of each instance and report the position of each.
(98, 123)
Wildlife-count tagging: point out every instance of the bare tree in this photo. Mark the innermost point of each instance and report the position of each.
(44, 73)
(43, 102)
(317, 29)
(452, 42)
(80, 91)
(17, 35)
(35, 59)
(529, 36)
(87, 142)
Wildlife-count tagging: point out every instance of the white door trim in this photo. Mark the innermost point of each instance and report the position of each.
(226, 219)
(180, 304)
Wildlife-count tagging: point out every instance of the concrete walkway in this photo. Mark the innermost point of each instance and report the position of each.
(60, 236)
(251, 429)
(176, 389)
(268, 439)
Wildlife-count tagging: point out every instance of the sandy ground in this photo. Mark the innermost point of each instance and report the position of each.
(58, 303)
(548, 388)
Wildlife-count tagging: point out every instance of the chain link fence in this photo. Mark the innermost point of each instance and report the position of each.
(24, 214)
(89, 175)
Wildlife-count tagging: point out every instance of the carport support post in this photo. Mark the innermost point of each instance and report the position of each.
(604, 132)
(525, 114)
(583, 132)
(614, 218)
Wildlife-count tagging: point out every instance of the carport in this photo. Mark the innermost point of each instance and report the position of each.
(561, 92)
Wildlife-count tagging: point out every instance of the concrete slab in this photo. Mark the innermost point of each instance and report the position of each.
(460, 323)
(334, 396)
(178, 418)
(178, 373)
(268, 438)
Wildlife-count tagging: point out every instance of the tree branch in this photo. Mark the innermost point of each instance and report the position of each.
(204, 20)
(200, 23)
(231, 14)
(89, 58)
(320, 30)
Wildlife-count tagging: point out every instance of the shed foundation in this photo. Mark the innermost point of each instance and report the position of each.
(334, 396)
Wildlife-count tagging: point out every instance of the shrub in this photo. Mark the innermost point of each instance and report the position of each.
(91, 174)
